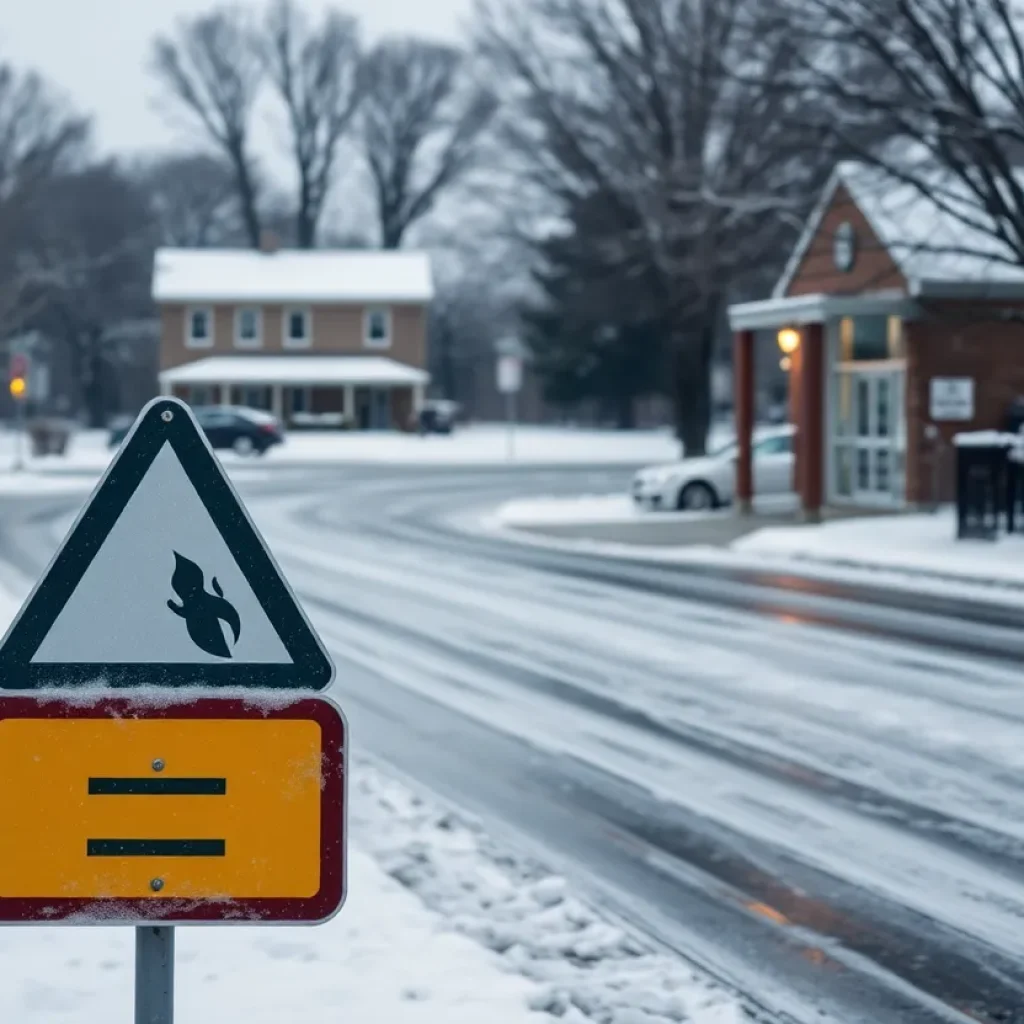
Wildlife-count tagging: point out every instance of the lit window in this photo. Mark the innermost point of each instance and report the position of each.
(377, 328)
(296, 328)
(247, 327)
(200, 328)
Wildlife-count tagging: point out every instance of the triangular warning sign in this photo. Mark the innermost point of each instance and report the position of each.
(163, 580)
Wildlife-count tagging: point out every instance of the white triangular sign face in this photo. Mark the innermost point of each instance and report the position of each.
(114, 616)
(163, 580)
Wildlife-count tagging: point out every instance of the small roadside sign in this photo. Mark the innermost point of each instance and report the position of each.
(124, 811)
(126, 800)
(163, 580)
(510, 374)
(951, 399)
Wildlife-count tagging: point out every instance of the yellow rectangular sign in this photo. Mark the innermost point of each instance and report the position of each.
(213, 809)
(232, 808)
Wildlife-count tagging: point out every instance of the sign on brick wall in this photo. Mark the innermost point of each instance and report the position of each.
(951, 399)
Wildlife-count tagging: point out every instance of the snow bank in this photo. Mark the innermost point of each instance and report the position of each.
(915, 553)
(384, 958)
(922, 545)
(481, 445)
(485, 444)
(586, 967)
(586, 508)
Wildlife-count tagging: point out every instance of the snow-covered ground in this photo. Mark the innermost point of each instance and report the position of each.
(484, 444)
(586, 967)
(386, 957)
(584, 508)
(442, 923)
(924, 545)
(909, 551)
(558, 510)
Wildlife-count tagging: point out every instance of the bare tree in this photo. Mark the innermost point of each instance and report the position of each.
(641, 102)
(213, 70)
(946, 86)
(40, 137)
(422, 120)
(315, 70)
(193, 198)
(92, 256)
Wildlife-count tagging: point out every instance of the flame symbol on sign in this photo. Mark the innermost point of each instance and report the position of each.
(202, 611)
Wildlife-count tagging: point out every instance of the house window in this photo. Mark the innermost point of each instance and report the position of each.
(199, 328)
(297, 328)
(248, 327)
(377, 328)
(199, 394)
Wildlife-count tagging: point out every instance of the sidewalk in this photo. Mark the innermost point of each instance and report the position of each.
(917, 545)
(916, 552)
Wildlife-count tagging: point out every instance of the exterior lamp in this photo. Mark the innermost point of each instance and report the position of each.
(789, 340)
(785, 364)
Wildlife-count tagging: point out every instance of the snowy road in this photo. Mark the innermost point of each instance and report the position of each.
(831, 819)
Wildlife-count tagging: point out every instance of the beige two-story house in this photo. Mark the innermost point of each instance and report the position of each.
(318, 337)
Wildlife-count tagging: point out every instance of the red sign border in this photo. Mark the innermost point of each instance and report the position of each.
(157, 911)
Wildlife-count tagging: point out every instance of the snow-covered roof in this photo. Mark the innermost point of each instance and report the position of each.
(291, 275)
(932, 242)
(301, 371)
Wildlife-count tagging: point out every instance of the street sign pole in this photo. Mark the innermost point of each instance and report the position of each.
(510, 380)
(18, 372)
(154, 976)
(510, 418)
(19, 439)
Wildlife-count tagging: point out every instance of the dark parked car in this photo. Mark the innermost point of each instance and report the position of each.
(437, 417)
(244, 431)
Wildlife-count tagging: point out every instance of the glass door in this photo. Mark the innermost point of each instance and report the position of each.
(869, 435)
(878, 448)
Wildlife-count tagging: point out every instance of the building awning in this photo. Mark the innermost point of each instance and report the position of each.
(797, 310)
(296, 371)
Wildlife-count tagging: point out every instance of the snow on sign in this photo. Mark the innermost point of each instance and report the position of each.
(127, 811)
(163, 580)
(951, 399)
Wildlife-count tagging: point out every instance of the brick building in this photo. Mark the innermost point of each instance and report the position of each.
(905, 326)
(319, 338)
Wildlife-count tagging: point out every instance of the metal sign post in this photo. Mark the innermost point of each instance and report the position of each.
(154, 976)
(510, 380)
(163, 582)
(18, 371)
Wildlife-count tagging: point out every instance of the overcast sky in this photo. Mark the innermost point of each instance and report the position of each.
(97, 50)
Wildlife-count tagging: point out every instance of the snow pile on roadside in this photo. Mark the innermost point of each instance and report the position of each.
(921, 545)
(588, 969)
(481, 445)
(484, 444)
(582, 509)
(384, 958)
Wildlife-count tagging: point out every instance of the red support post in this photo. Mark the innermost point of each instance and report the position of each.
(743, 384)
(812, 421)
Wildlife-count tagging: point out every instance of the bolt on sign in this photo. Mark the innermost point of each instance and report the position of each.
(164, 755)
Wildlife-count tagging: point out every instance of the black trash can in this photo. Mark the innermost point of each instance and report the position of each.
(982, 485)
(1014, 419)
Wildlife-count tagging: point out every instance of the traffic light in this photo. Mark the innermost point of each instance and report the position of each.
(17, 375)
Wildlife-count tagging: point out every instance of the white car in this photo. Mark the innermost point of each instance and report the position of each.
(710, 482)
